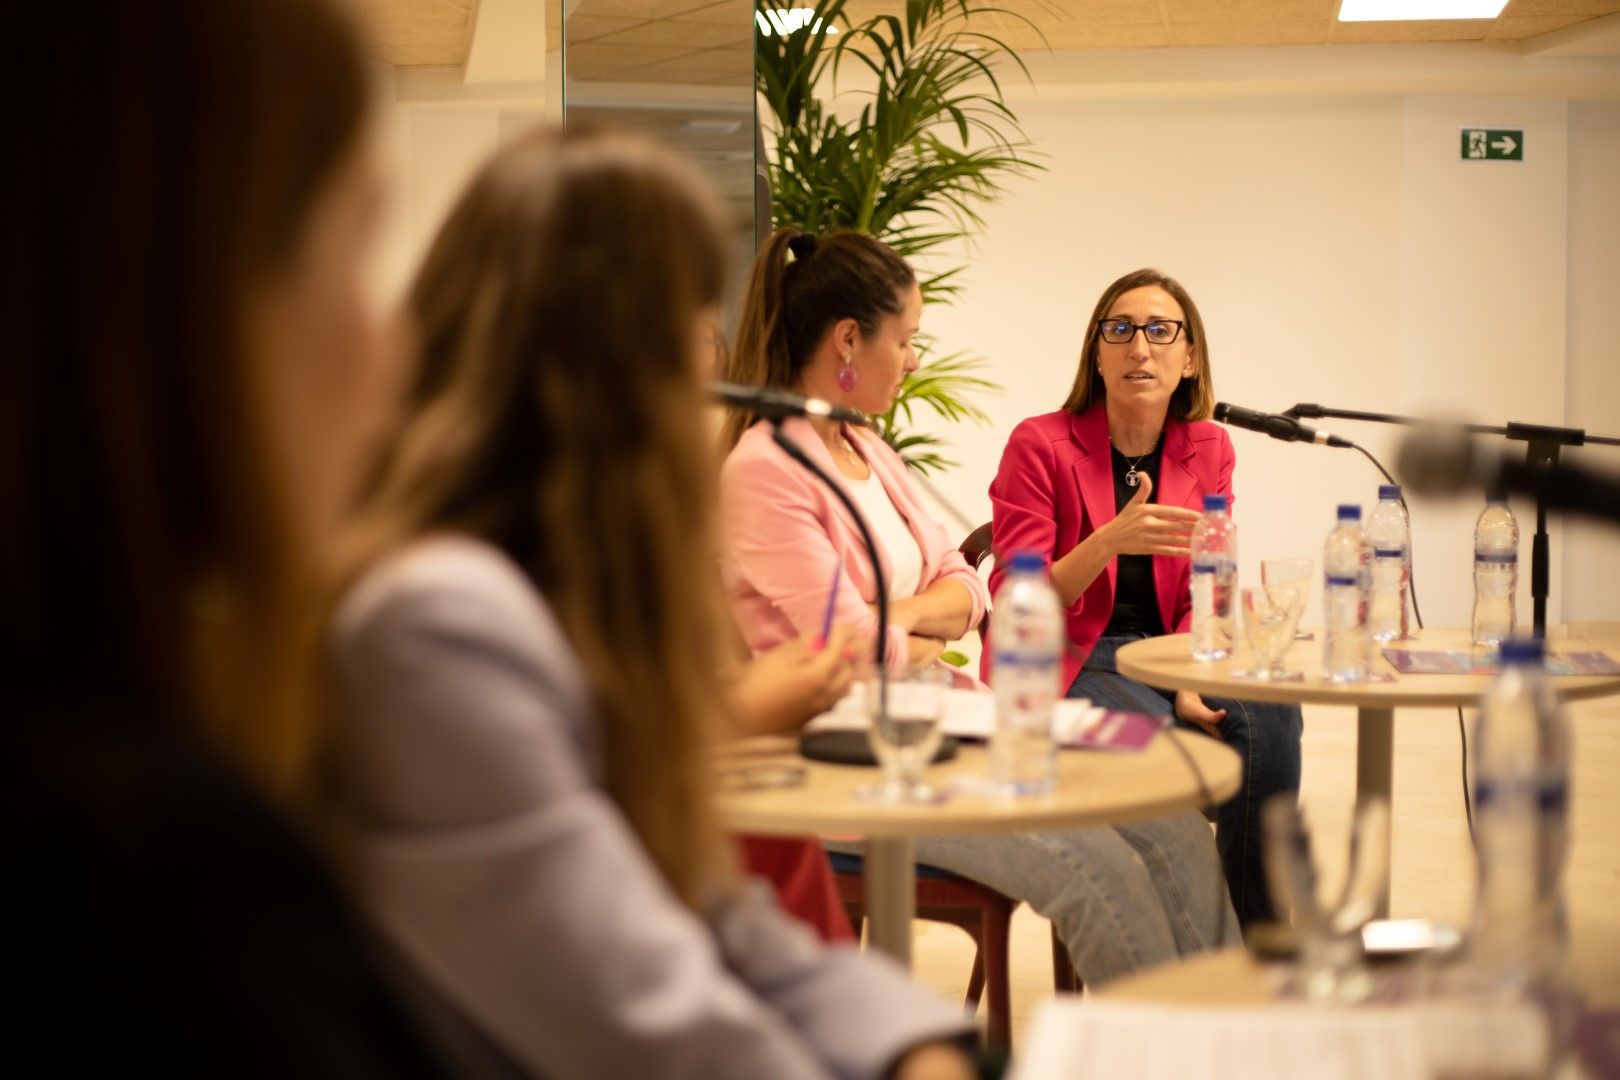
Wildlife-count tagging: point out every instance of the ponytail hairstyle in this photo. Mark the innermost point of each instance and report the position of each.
(800, 285)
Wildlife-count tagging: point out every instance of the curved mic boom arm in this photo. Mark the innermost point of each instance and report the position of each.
(796, 452)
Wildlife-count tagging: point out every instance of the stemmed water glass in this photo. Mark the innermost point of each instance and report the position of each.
(1269, 618)
(1292, 574)
(1332, 964)
(905, 733)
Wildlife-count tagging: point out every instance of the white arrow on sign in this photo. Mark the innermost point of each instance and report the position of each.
(1504, 144)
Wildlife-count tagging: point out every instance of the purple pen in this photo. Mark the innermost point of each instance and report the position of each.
(832, 603)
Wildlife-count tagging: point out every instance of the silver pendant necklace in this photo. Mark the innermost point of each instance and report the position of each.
(1132, 477)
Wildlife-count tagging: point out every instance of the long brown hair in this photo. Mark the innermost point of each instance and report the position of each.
(792, 302)
(558, 412)
(171, 181)
(1194, 397)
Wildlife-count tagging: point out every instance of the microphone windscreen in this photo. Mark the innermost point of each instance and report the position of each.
(1439, 460)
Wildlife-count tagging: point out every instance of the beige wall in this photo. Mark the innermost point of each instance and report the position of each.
(1592, 379)
(1314, 202)
(1341, 253)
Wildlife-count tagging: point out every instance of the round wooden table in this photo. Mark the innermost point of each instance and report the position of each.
(1093, 788)
(1167, 662)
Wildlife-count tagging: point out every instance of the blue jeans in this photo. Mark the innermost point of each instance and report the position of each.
(1122, 898)
(1267, 736)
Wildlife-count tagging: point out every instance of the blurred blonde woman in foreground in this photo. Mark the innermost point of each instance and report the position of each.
(529, 664)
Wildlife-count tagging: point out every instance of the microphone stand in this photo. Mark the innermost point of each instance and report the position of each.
(879, 646)
(1543, 444)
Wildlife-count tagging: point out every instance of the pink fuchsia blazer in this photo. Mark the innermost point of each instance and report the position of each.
(1055, 487)
(784, 532)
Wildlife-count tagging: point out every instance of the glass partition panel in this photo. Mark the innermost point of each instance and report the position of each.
(683, 77)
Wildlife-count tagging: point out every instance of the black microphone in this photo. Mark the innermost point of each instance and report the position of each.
(1445, 461)
(1277, 426)
(772, 403)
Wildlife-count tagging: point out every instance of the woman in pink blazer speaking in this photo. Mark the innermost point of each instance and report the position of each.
(834, 317)
(1108, 488)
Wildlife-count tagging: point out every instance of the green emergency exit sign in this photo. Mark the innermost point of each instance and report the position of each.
(1493, 144)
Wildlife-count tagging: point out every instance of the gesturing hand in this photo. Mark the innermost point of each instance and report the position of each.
(779, 690)
(1144, 528)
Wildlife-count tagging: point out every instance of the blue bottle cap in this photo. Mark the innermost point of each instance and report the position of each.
(1026, 562)
(1214, 502)
(1522, 650)
(1349, 512)
(1495, 497)
(1389, 491)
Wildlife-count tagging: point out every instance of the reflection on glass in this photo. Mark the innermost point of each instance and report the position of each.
(685, 79)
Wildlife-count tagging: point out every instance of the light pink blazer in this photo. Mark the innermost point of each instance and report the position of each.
(784, 532)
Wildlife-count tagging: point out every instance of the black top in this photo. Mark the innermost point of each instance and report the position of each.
(1136, 602)
(163, 919)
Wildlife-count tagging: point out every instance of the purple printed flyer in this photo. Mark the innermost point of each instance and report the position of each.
(1462, 662)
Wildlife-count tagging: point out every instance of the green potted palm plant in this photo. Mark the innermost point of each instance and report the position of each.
(934, 140)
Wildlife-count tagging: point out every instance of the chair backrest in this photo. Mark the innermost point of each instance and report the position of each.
(975, 549)
(977, 546)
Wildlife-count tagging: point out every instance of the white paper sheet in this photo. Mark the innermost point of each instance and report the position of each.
(969, 714)
(1071, 1038)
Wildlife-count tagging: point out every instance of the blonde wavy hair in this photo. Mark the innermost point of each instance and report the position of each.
(558, 413)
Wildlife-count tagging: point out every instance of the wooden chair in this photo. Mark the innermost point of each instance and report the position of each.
(981, 912)
(976, 548)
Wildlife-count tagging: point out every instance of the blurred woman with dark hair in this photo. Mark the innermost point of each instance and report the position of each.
(188, 350)
(530, 660)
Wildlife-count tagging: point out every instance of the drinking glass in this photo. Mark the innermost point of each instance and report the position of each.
(1269, 618)
(1332, 962)
(905, 732)
(1294, 574)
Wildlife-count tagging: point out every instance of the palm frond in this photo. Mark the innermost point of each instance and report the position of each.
(934, 141)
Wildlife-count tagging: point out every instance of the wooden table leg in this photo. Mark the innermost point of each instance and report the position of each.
(891, 895)
(1375, 763)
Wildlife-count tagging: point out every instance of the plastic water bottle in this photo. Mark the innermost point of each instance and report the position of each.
(1496, 572)
(1214, 580)
(1389, 535)
(1026, 634)
(1522, 748)
(1347, 582)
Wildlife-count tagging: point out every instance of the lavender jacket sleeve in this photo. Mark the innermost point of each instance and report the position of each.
(511, 884)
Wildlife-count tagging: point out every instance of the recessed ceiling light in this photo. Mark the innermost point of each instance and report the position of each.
(1402, 10)
(783, 21)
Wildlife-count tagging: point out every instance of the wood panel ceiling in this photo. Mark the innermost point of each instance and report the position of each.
(701, 41)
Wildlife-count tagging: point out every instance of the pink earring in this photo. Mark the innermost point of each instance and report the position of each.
(846, 374)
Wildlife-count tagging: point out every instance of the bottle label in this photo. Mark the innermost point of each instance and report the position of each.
(1496, 558)
(1389, 553)
(1345, 580)
(1550, 796)
(1203, 589)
